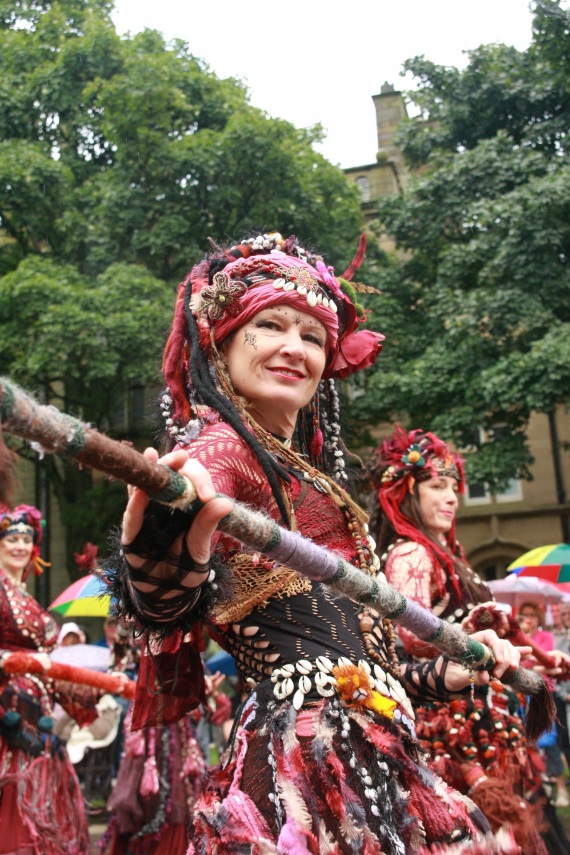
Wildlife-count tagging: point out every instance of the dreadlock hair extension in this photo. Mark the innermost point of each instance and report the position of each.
(334, 448)
(308, 422)
(320, 415)
(172, 363)
(205, 388)
(330, 406)
(379, 526)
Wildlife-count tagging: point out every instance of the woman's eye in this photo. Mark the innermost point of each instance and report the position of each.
(268, 325)
(314, 339)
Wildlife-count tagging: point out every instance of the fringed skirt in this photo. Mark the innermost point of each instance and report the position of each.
(478, 746)
(158, 782)
(42, 809)
(331, 778)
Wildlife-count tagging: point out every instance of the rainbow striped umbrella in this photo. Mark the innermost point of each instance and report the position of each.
(551, 563)
(88, 597)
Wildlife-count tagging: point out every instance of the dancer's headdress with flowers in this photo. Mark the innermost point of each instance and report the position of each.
(407, 457)
(228, 288)
(24, 519)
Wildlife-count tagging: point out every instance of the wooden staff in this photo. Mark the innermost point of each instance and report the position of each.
(58, 433)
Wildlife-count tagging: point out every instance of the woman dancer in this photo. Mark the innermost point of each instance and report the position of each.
(532, 619)
(41, 805)
(324, 756)
(477, 744)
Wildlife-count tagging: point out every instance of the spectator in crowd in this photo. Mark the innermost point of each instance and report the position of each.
(531, 619)
(69, 634)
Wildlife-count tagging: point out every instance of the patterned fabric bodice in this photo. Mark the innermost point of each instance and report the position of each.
(24, 624)
(303, 626)
(414, 572)
(287, 618)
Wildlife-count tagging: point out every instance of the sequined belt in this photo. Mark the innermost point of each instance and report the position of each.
(357, 685)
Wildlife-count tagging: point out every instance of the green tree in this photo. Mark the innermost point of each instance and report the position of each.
(87, 345)
(476, 306)
(119, 157)
(130, 149)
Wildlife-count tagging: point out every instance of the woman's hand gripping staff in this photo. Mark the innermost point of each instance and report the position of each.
(172, 584)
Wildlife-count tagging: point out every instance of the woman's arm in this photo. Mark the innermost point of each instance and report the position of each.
(166, 561)
(410, 569)
(442, 678)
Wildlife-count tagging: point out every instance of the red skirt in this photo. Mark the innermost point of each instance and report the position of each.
(348, 782)
(42, 810)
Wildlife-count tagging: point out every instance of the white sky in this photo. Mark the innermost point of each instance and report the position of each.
(311, 61)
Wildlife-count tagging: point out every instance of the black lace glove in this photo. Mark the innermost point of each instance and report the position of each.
(426, 682)
(164, 599)
(160, 601)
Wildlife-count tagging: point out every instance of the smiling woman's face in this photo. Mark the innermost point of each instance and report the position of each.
(275, 362)
(438, 501)
(15, 553)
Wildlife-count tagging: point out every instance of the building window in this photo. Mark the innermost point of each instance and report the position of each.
(511, 493)
(479, 494)
(129, 409)
(489, 572)
(118, 412)
(476, 494)
(363, 184)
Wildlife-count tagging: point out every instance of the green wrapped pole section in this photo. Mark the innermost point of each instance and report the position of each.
(57, 433)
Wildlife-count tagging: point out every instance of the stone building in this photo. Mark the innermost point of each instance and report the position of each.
(494, 529)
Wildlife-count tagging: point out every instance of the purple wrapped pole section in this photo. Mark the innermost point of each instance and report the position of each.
(318, 564)
(422, 622)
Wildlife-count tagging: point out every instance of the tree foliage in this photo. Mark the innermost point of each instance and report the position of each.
(476, 306)
(131, 150)
(119, 158)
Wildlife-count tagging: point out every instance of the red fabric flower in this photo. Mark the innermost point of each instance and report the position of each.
(87, 559)
(355, 351)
